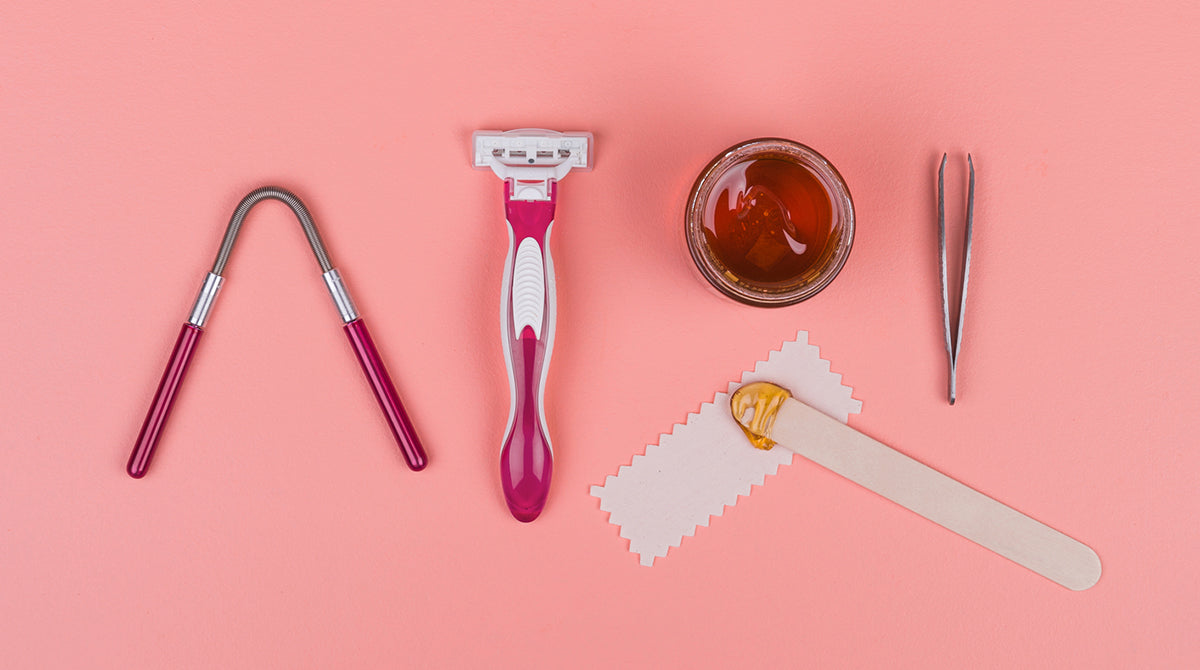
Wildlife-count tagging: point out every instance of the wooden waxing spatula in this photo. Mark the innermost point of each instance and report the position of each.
(771, 417)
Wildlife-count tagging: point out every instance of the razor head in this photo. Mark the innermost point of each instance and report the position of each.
(532, 147)
(532, 158)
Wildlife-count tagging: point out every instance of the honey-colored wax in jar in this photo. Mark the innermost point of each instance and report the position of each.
(768, 221)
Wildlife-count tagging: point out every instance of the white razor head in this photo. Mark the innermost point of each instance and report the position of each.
(532, 158)
(532, 147)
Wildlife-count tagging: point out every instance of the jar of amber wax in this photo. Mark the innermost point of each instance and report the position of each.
(769, 222)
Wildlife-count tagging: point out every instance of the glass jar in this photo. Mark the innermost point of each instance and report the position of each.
(769, 222)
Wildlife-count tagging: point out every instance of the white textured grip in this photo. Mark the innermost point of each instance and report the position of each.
(528, 288)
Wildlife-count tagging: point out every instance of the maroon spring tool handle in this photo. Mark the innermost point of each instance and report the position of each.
(385, 393)
(164, 398)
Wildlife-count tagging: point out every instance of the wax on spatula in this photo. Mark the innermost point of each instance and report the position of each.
(771, 417)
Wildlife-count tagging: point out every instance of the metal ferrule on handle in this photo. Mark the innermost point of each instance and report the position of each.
(527, 316)
(377, 374)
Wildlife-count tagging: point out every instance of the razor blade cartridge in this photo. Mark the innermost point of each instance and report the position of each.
(532, 158)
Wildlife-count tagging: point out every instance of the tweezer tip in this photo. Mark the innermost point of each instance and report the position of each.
(952, 401)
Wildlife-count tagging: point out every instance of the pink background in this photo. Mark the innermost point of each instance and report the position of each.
(278, 526)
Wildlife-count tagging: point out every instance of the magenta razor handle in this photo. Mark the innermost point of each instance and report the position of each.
(527, 325)
(385, 393)
(164, 398)
(356, 331)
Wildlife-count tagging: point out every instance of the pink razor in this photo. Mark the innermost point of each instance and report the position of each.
(356, 331)
(531, 162)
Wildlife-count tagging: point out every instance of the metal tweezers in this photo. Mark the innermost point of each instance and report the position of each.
(953, 348)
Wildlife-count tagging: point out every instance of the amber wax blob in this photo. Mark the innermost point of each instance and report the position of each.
(770, 222)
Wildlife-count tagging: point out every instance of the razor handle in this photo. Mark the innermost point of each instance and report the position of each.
(527, 313)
